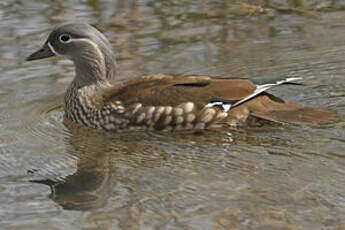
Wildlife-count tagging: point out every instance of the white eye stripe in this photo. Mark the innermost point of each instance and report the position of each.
(95, 46)
(90, 42)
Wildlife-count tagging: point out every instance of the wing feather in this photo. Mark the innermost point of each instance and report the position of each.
(176, 89)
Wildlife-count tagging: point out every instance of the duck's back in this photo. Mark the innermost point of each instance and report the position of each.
(163, 90)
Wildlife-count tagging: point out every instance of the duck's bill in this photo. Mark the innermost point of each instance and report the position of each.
(44, 52)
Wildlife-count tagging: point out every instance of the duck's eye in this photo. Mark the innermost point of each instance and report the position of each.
(65, 38)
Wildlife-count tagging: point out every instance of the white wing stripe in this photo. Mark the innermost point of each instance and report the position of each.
(259, 89)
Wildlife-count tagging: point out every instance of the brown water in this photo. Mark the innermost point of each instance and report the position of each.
(57, 175)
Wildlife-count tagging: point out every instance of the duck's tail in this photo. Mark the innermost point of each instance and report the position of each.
(269, 107)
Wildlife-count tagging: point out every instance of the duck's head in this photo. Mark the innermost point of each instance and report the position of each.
(88, 48)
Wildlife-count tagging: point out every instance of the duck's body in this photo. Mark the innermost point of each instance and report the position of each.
(160, 102)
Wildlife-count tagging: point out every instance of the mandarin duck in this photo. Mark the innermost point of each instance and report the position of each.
(161, 101)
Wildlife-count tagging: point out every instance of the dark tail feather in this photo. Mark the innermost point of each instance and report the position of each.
(278, 110)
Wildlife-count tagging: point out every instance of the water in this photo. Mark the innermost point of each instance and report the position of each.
(261, 176)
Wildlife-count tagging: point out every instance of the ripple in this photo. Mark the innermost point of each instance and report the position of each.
(44, 121)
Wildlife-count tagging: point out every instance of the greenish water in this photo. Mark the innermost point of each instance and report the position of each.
(57, 175)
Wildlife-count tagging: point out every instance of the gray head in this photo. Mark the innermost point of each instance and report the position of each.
(88, 48)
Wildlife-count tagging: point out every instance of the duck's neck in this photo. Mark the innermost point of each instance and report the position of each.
(84, 95)
(94, 64)
(90, 69)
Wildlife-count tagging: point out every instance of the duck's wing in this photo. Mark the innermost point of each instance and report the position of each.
(172, 90)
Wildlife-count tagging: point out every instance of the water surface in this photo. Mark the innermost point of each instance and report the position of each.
(260, 176)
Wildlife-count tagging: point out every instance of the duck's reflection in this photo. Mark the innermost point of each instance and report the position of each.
(86, 189)
(92, 183)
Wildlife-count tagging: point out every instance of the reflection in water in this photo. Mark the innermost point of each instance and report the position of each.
(88, 188)
(91, 185)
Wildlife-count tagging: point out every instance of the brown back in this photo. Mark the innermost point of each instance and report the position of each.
(173, 90)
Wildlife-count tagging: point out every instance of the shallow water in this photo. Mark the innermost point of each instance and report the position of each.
(261, 176)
